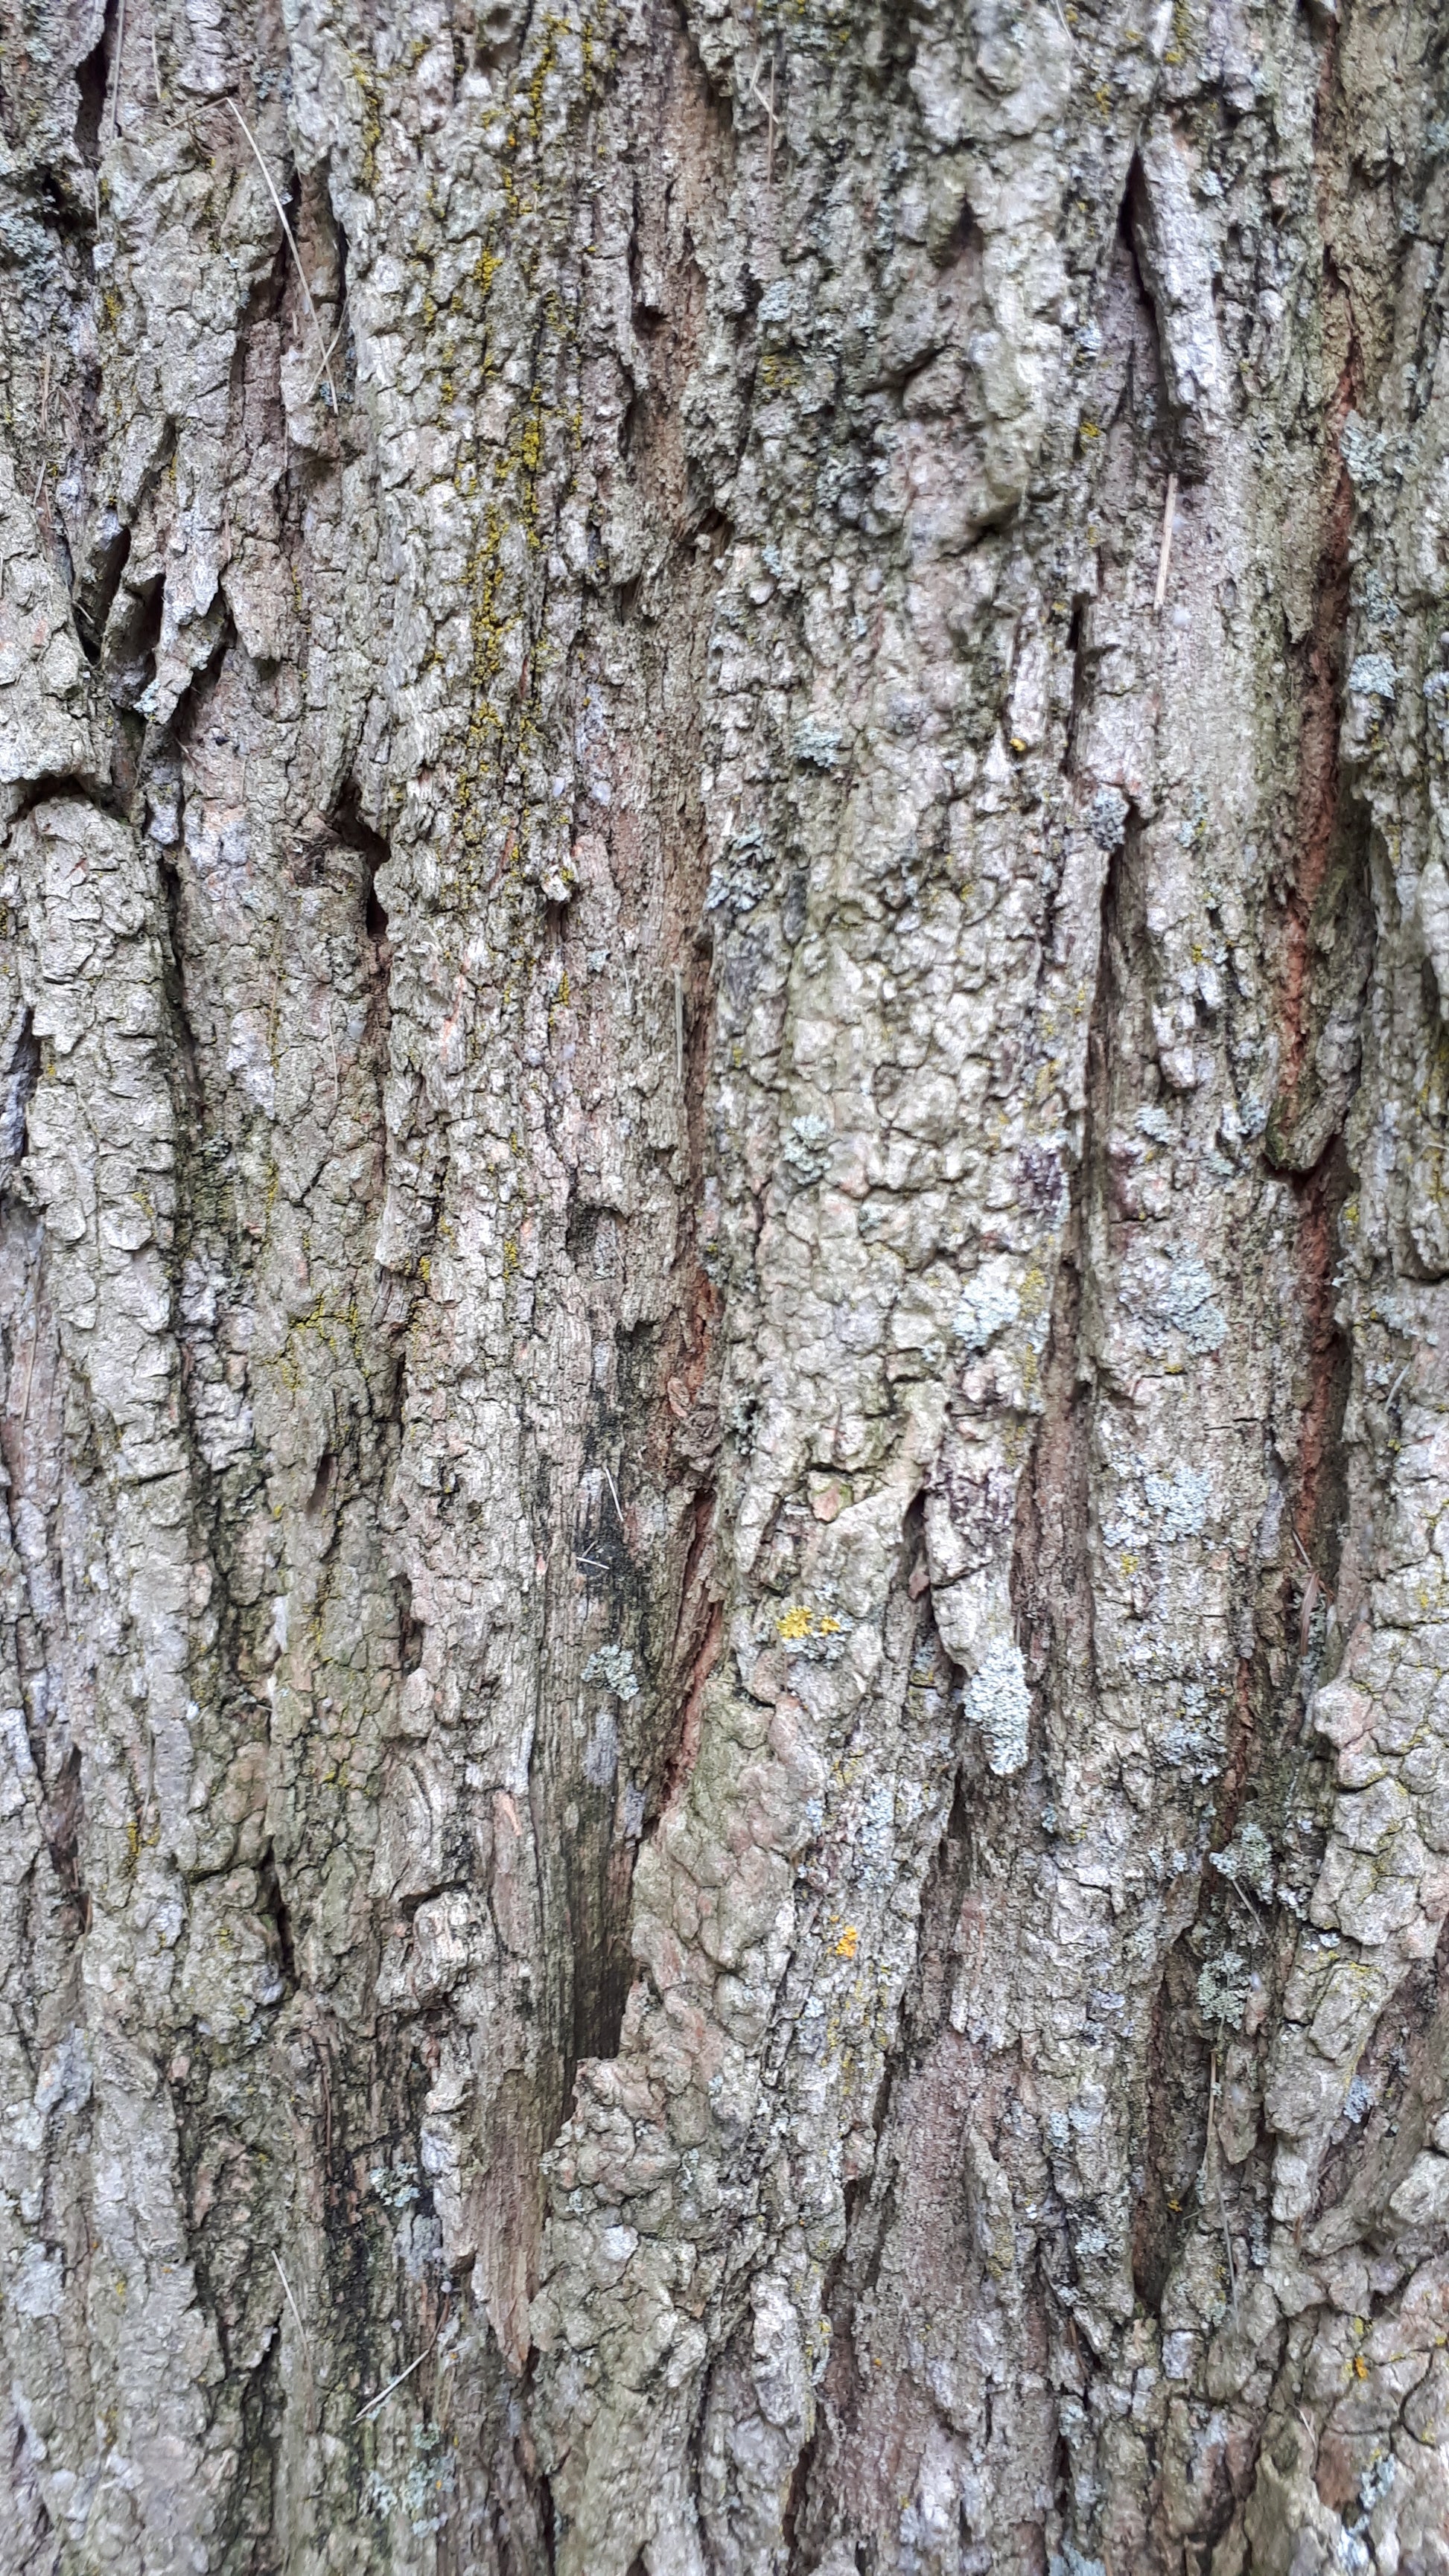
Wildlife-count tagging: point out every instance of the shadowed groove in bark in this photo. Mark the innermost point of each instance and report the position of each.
(92, 82)
(1328, 863)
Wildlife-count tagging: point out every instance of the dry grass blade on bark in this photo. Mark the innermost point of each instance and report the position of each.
(373, 2403)
(291, 2302)
(255, 150)
(1165, 557)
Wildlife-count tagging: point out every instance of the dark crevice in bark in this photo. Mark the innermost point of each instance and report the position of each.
(1174, 2122)
(1051, 1572)
(680, 1631)
(61, 1819)
(1079, 682)
(275, 296)
(21, 1077)
(1401, 2086)
(544, 2493)
(32, 1488)
(680, 1757)
(60, 784)
(316, 1502)
(191, 1108)
(598, 1927)
(131, 636)
(95, 592)
(800, 2475)
(411, 1631)
(651, 1425)
(350, 826)
(1328, 945)
(1131, 218)
(250, 2542)
(92, 76)
(595, 1869)
(1325, 839)
(34, 2542)
(191, 707)
(276, 1910)
(1320, 1501)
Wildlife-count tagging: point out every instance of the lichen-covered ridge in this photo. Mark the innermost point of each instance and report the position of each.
(723, 752)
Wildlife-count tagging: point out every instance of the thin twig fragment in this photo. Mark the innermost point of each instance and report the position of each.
(113, 101)
(1212, 2170)
(255, 150)
(768, 104)
(291, 2302)
(373, 2403)
(326, 356)
(1165, 557)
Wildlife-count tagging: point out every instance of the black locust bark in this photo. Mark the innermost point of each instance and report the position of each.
(724, 834)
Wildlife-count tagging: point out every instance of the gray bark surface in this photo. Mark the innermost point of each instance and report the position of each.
(724, 1734)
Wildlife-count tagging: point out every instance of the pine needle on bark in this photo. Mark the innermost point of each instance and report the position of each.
(256, 154)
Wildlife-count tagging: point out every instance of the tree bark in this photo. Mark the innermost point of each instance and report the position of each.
(724, 831)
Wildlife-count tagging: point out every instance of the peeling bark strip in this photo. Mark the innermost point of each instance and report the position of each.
(724, 1843)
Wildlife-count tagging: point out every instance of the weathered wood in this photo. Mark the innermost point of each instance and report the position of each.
(724, 763)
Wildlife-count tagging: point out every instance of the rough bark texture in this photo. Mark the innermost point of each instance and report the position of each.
(724, 766)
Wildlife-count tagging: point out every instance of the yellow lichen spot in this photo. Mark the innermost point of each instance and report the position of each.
(848, 1943)
(1016, 743)
(1360, 2366)
(798, 1622)
(1090, 429)
(1034, 1291)
(510, 1256)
